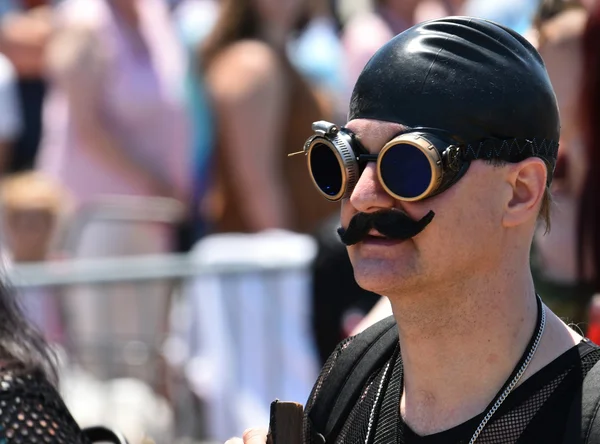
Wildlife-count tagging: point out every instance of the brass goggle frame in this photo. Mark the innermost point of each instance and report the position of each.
(344, 146)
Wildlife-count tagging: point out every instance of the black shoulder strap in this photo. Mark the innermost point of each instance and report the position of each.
(590, 404)
(583, 423)
(367, 352)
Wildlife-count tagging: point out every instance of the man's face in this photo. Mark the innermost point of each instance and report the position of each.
(464, 237)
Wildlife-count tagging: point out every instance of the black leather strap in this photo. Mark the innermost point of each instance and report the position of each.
(583, 423)
(364, 355)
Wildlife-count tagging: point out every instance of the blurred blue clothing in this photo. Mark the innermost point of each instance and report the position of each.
(194, 20)
(319, 56)
(515, 14)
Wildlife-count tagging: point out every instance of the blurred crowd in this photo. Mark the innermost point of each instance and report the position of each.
(194, 106)
(194, 102)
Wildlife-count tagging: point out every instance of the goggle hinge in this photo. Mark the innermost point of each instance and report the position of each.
(324, 128)
(452, 156)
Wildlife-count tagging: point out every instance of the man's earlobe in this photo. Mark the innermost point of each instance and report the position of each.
(528, 182)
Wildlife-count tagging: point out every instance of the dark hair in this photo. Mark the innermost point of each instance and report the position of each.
(22, 346)
(238, 20)
(548, 9)
(588, 242)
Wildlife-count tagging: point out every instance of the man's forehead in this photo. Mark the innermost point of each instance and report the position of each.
(374, 134)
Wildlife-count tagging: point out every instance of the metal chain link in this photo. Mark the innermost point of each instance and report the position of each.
(515, 380)
(372, 415)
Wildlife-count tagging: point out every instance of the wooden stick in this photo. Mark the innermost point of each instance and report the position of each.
(285, 426)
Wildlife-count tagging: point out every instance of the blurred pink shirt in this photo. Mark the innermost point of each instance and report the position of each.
(141, 102)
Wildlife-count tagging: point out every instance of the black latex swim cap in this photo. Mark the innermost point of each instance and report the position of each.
(471, 77)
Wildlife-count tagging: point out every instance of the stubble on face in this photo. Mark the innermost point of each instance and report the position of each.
(460, 241)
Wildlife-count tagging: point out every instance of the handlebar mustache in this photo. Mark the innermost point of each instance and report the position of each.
(393, 224)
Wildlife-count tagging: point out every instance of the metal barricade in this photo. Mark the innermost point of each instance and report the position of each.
(213, 287)
(111, 328)
(246, 336)
(118, 324)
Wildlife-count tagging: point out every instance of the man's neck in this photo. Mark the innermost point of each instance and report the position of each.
(461, 343)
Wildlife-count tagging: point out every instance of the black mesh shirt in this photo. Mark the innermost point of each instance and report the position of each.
(534, 413)
(32, 411)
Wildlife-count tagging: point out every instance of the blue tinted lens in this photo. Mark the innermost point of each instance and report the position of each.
(326, 169)
(405, 170)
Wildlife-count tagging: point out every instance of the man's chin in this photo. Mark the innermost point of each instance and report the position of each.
(386, 274)
(376, 282)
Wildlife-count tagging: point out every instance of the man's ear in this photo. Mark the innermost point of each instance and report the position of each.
(528, 183)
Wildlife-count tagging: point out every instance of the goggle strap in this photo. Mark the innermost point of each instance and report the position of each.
(512, 150)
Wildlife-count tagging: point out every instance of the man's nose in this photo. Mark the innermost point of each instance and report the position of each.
(369, 195)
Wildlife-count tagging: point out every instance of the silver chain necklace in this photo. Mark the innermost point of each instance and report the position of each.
(509, 388)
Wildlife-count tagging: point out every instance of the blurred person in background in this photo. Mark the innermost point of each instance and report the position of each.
(33, 209)
(116, 129)
(433, 9)
(194, 21)
(115, 121)
(588, 239)
(25, 28)
(590, 5)
(262, 108)
(11, 124)
(314, 51)
(317, 52)
(366, 32)
(563, 284)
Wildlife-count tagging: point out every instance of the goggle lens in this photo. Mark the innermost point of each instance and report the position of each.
(326, 169)
(405, 170)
